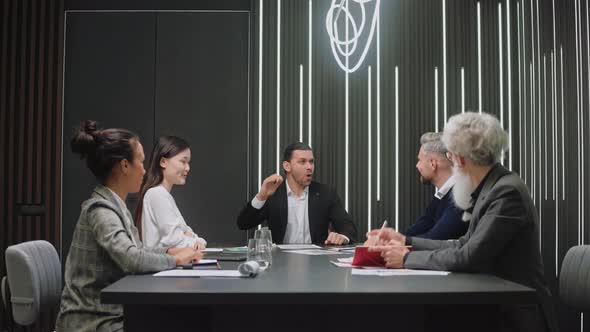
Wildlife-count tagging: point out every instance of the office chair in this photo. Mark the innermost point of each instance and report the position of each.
(34, 281)
(574, 279)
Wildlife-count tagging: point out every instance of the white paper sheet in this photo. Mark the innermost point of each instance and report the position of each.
(347, 262)
(298, 246)
(212, 250)
(348, 249)
(205, 262)
(340, 264)
(200, 273)
(397, 272)
(315, 252)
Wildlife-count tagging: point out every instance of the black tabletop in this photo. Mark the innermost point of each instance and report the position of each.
(302, 279)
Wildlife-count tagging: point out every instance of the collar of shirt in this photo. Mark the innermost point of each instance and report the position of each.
(442, 191)
(292, 194)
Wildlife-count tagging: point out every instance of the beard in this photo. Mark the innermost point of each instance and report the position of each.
(462, 190)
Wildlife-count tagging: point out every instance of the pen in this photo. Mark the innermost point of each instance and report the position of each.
(380, 230)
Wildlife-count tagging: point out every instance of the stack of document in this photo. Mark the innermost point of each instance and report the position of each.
(315, 252)
(298, 246)
(201, 273)
(397, 272)
(211, 250)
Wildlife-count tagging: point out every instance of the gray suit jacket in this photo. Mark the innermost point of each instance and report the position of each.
(105, 247)
(502, 239)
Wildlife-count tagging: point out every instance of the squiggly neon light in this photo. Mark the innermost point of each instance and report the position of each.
(345, 47)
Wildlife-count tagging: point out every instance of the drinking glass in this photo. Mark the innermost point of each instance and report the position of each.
(259, 250)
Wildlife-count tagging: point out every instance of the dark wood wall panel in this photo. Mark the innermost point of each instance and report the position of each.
(31, 52)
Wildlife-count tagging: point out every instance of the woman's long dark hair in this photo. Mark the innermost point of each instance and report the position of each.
(166, 147)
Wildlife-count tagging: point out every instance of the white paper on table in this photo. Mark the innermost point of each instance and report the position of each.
(314, 252)
(349, 249)
(205, 262)
(398, 272)
(340, 264)
(200, 273)
(212, 250)
(298, 246)
(346, 260)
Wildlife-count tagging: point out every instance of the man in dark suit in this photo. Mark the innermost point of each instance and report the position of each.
(503, 235)
(299, 210)
(442, 219)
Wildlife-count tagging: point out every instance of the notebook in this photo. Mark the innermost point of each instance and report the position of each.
(226, 256)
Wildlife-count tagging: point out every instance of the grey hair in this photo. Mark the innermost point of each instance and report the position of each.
(432, 143)
(477, 136)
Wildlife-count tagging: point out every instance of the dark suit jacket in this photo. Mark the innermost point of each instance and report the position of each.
(502, 239)
(324, 207)
(441, 221)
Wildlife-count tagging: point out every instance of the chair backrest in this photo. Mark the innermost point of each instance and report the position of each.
(34, 277)
(574, 279)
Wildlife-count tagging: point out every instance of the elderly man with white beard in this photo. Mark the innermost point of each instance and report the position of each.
(503, 234)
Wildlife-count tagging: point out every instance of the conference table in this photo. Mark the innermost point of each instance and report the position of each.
(308, 293)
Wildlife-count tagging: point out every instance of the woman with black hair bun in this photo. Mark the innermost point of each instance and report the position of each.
(106, 246)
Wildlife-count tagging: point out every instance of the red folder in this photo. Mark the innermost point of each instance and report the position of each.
(364, 257)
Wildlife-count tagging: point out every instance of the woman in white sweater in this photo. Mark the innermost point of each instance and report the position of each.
(160, 222)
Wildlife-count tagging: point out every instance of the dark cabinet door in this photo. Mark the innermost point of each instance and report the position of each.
(109, 77)
(179, 73)
(202, 96)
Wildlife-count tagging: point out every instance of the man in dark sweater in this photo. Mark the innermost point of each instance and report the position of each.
(442, 219)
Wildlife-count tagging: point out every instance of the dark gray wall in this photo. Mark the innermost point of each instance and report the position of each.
(202, 95)
(176, 73)
(109, 77)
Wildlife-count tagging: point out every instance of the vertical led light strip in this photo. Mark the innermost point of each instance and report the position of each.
(500, 64)
(478, 57)
(378, 107)
(545, 120)
(278, 84)
(553, 119)
(583, 131)
(346, 120)
(539, 99)
(435, 99)
(462, 90)
(555, 107)
(531, 119)
(369, 167)
(520, 145)
(554, 164)
(300, 103)
(562, 128)
(526, 161)
(309, 60)
(396, 149)
(444, 32)
(509, 73)
(578, 116)
(260, 95)
(532, 109)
